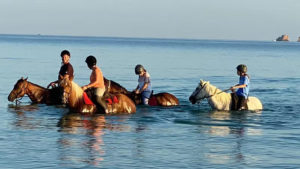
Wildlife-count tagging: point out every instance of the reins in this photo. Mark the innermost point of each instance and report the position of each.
(206, 97)
(223, 91)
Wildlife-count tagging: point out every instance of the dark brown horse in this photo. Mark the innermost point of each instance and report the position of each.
(113, 87)
(36, 93)
(73, 95)
(160, 99)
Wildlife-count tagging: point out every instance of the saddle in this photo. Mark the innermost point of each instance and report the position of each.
(109, 98)
(238, 103)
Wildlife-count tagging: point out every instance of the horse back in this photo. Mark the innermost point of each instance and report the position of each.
(166, 99)
(254, 103)
(123, 105)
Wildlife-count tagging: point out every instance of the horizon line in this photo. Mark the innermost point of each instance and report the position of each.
(126, 37)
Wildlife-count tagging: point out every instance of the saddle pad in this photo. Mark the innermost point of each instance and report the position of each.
(86, 99)
(112, 100)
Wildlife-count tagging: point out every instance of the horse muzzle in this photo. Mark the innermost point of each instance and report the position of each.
(192, 99)
(11, 97)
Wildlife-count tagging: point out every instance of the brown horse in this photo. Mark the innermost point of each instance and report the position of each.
(36, 93)
(159, 99)
(73, 95)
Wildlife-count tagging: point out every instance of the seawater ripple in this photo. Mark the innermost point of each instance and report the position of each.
(186, 136)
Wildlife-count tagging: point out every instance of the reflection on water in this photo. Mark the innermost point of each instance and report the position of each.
(228, 124)
(82, 137)
(22, 119)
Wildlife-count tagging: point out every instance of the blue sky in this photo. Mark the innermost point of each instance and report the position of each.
(192, 19)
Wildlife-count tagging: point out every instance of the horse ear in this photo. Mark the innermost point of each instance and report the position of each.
(207, 82)
(201, 82)
(26, 78)
(22, 78)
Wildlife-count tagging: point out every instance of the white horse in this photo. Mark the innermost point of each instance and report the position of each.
(218, 99)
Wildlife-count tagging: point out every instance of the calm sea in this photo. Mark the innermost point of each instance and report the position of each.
(187, 136)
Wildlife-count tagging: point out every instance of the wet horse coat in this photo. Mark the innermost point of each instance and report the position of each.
(75, 100)
(159, 99)
(36, 93)
(218, 99)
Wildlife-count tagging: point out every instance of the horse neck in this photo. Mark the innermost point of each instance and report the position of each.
(218, 98)
(212, 90)
(35, 92)
(113, 87)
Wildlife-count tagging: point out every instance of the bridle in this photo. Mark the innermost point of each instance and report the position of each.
(202, 87)
(18, 99)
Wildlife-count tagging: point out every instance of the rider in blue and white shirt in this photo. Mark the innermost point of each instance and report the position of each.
(243, 88)
(144, 83)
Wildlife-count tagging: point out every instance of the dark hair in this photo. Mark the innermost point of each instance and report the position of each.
(242, 68)
(91, 61)
(65, 52)
(138, 69)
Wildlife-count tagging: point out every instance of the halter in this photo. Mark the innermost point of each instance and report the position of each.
(200, 91)
(18, 100)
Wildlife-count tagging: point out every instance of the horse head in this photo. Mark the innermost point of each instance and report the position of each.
(199, 93)
(19, 89)
(66, 84)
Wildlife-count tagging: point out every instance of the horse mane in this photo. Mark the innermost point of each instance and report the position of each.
(117, 84)
(217, 95)
(23, 80)
(77, 90)
(113, 83)
(37, 85)
(211, 89)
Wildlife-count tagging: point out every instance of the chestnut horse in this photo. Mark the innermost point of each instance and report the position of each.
(74, 97)
(36, 93)
(159, 99)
